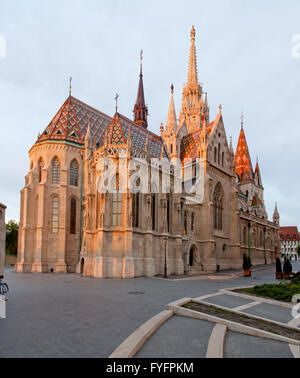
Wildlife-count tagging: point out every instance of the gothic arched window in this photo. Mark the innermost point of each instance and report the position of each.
(185, 223)
(169, 212)
(55, 215)
(74, 173)
(135, 209)
(73, 216)
(55, 171)
(261, 239)
(117, 209)
(192, 222)
(222, 159)
(40, 167)
(153, 211)
(219, 153)
(218, 208)
(215, 155)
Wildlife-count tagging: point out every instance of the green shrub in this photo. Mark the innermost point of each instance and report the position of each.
(281, 292)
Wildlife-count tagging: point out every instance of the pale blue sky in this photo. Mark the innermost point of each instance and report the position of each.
(244, 61)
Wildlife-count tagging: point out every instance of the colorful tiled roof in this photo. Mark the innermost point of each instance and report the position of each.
(64, 125)
(115, 132)
(76, 115)
(289, 233)
(191, 142)
(243, 162)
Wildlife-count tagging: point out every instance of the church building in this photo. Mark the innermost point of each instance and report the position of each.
(68, 225)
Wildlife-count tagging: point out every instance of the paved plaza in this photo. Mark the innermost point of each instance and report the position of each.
(67, 315)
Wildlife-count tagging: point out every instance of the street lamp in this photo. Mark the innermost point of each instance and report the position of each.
(166, 268)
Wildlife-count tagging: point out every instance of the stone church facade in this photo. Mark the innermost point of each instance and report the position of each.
(68, 225)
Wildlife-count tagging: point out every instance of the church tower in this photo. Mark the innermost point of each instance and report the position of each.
(140, 109)
(193, 104)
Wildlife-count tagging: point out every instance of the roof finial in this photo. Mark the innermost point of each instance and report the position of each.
(70, 87)
(220, 108)
(116, 98)
(172, 88)
(193, 33)
(242, 119)
(141, 60)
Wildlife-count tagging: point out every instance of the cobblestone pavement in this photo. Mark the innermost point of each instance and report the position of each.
(70, 316)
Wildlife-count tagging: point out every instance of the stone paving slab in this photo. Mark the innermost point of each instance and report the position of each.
(227, 300)
(66, 315)
(244, 346)
(272, 312)
(179, 337)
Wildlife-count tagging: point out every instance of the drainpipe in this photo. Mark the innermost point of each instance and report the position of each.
(80, 229)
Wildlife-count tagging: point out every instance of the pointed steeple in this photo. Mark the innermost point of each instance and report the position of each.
(276, 217)
(257, 174)
(192, 75)
(171, 125)
(243, 162)
(192, 99)
(140, 109)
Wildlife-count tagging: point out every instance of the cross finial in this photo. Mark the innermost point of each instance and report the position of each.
(141, 57)
(116, 98)
(220, 108)
(242, 119)
(70, 87)
(172, 88)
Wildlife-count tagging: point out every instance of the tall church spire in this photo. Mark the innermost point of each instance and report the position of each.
(192, 75)
(140, 109)
(171, 124)
(192, 99)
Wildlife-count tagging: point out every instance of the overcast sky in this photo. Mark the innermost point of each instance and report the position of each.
(245, 62)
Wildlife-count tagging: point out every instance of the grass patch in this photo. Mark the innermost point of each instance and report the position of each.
(262, 325)
(281, 292)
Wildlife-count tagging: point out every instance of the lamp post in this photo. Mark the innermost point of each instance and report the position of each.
(166, 267)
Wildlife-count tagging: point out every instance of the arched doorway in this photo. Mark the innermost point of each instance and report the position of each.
(82, 266)
(192, 256)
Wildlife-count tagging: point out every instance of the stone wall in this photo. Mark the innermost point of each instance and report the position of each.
(2, 238)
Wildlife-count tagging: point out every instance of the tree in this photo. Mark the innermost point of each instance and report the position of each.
(11, 243)
(298, 250)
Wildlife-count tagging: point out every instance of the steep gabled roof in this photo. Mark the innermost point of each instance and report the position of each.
(115, 132)
(64, 125)
(79, 115)
(74, 113)
(243, 162)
